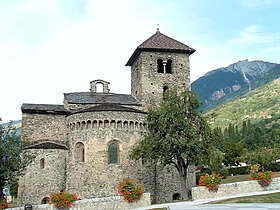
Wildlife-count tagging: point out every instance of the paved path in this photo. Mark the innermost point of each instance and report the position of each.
(203, 204)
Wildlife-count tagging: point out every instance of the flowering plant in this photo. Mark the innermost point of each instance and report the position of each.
(264, 178)
(63, 199)
(211, 182)
(3, 204)
(131, 189)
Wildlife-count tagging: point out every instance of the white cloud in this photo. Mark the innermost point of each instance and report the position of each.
(49, 6)
(254, 35)
(259, 3)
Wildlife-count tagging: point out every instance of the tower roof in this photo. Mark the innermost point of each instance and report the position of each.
(162, 43)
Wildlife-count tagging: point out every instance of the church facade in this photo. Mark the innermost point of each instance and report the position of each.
(83, 144)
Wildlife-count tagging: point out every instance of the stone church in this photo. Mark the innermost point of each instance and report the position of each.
(83, 144)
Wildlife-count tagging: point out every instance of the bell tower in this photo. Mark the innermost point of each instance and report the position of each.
(156, 64)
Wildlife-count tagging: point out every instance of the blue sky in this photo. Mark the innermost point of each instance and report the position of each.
(51, 47)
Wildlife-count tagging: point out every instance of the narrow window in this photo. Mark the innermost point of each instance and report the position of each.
(79, 152)
(113, 153)
(159, 66)
(165, 88)
(169, 66)
(42, 163)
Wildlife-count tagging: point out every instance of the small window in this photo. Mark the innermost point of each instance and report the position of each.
(165, 88)
(113, 153)
(45, 200)
(160, 66)
(79, 152)
(42, 163)
(169, 66)
(176, 196)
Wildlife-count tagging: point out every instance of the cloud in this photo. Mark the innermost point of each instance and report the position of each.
(39, 7)
(254, 35)
(251, 4)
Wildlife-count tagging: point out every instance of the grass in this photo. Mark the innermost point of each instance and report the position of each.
(267, 198)
(241, 178)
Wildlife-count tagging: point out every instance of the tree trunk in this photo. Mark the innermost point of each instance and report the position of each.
(1, 190)
(183, 180)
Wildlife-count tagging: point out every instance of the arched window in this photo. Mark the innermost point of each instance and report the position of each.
(42, 163)
(160, 66)
(99, 87)
(79, 152)
(176, 196)
(165, 88)
(45, 200)
(169, 66)
(113, 151)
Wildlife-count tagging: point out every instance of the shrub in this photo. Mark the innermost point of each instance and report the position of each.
(63, 199)
(274, 167)
(238, 170)
(224, 173)
(211, 182)
(131, 189)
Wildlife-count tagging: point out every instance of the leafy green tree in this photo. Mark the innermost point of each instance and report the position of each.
(233, 151)
(177, 134)
(12, 156)
(266, 157)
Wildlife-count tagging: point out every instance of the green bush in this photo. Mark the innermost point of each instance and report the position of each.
(224, 172)
(238, 170)
(274, 167)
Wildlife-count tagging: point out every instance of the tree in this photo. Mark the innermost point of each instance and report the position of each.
(177, 134)
(12, 156)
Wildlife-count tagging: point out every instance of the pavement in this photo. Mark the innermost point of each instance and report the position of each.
(204, 204)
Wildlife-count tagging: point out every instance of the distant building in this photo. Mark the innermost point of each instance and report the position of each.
(82, 145)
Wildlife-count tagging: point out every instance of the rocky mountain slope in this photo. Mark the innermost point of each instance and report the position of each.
(260, 104)
(233, 81)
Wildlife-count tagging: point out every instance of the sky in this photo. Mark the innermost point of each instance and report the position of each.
(51, 47)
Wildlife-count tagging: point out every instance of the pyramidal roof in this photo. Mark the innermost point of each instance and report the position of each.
(160, 42)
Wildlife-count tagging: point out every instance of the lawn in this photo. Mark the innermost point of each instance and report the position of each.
(267, 198)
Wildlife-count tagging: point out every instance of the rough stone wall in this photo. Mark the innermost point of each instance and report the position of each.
(38, 182)
(43, 126)
(105, 203)
(234, 189)
(164, 183)
(95, 177)
(147, 85)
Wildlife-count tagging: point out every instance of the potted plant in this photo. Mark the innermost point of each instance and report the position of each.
(131, 189)
(63, 200)
(3, 204)
(211, 182)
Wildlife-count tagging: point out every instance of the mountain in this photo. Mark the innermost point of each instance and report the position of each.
(260, 104)
(224, 84)
(15, 124)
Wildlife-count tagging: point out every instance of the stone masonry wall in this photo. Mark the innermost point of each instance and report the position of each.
(40, 180)
(96, 130)
(147, 85)
(43, 126)
(105, 203)
(234, 189)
